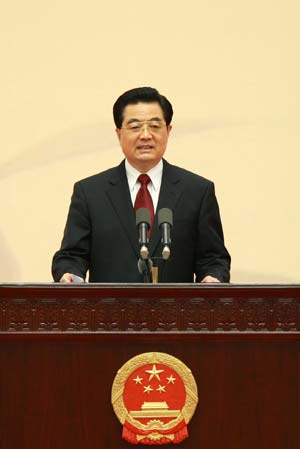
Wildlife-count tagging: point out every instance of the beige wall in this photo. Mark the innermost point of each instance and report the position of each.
(231, 70)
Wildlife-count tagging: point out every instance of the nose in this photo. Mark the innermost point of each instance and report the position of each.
(145, 133)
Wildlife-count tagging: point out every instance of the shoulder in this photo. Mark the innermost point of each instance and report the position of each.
(188, 177)
(103, 178)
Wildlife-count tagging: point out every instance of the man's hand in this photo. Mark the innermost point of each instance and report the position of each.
(209, 279)
(71, 278)
(67, 277)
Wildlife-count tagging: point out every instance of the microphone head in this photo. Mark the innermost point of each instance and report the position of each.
(144, 252)
(166, 252)
(165, 215)
(142, 216)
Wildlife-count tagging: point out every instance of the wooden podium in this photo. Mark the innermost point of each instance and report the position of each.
(62, 345)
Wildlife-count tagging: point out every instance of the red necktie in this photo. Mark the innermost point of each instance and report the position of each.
(143, 198)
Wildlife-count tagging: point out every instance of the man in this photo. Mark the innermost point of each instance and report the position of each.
(101, 234)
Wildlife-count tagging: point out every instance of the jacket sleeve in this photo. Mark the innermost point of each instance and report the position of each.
(212, 258)
(74, 254)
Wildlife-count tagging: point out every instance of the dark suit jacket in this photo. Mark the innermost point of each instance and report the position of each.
(101, 235)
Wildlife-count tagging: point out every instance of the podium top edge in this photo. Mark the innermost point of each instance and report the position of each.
(57, 285)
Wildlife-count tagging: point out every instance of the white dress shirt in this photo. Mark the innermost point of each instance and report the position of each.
(155, 174)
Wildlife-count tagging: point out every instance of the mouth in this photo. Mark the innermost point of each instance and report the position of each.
(145, 147)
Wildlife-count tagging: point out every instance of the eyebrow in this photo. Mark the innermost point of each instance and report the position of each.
(135, 120)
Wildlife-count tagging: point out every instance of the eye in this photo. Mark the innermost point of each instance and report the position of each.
(135, 126)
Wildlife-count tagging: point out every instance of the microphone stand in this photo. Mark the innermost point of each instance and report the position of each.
(145, 268)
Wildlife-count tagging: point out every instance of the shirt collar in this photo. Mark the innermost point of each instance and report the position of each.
(155, 175)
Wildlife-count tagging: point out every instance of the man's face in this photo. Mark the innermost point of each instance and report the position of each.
(144, 135)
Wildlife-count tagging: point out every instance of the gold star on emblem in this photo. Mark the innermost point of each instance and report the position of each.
(154, 372)
(171, 379)
(161, 388)
(138, 379)
(148, 389)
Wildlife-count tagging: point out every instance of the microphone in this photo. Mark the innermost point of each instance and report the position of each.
(143, 220)
(165, 223)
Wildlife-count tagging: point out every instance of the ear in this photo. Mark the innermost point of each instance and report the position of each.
(169, 129)
(118, 132)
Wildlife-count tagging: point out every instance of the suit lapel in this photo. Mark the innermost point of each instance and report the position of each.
(119, 196)
(170, 191)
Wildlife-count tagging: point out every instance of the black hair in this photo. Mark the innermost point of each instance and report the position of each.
(141, 95)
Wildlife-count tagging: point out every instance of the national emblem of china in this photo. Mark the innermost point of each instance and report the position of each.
(154, 396)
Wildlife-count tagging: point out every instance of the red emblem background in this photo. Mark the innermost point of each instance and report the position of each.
(154, 396)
